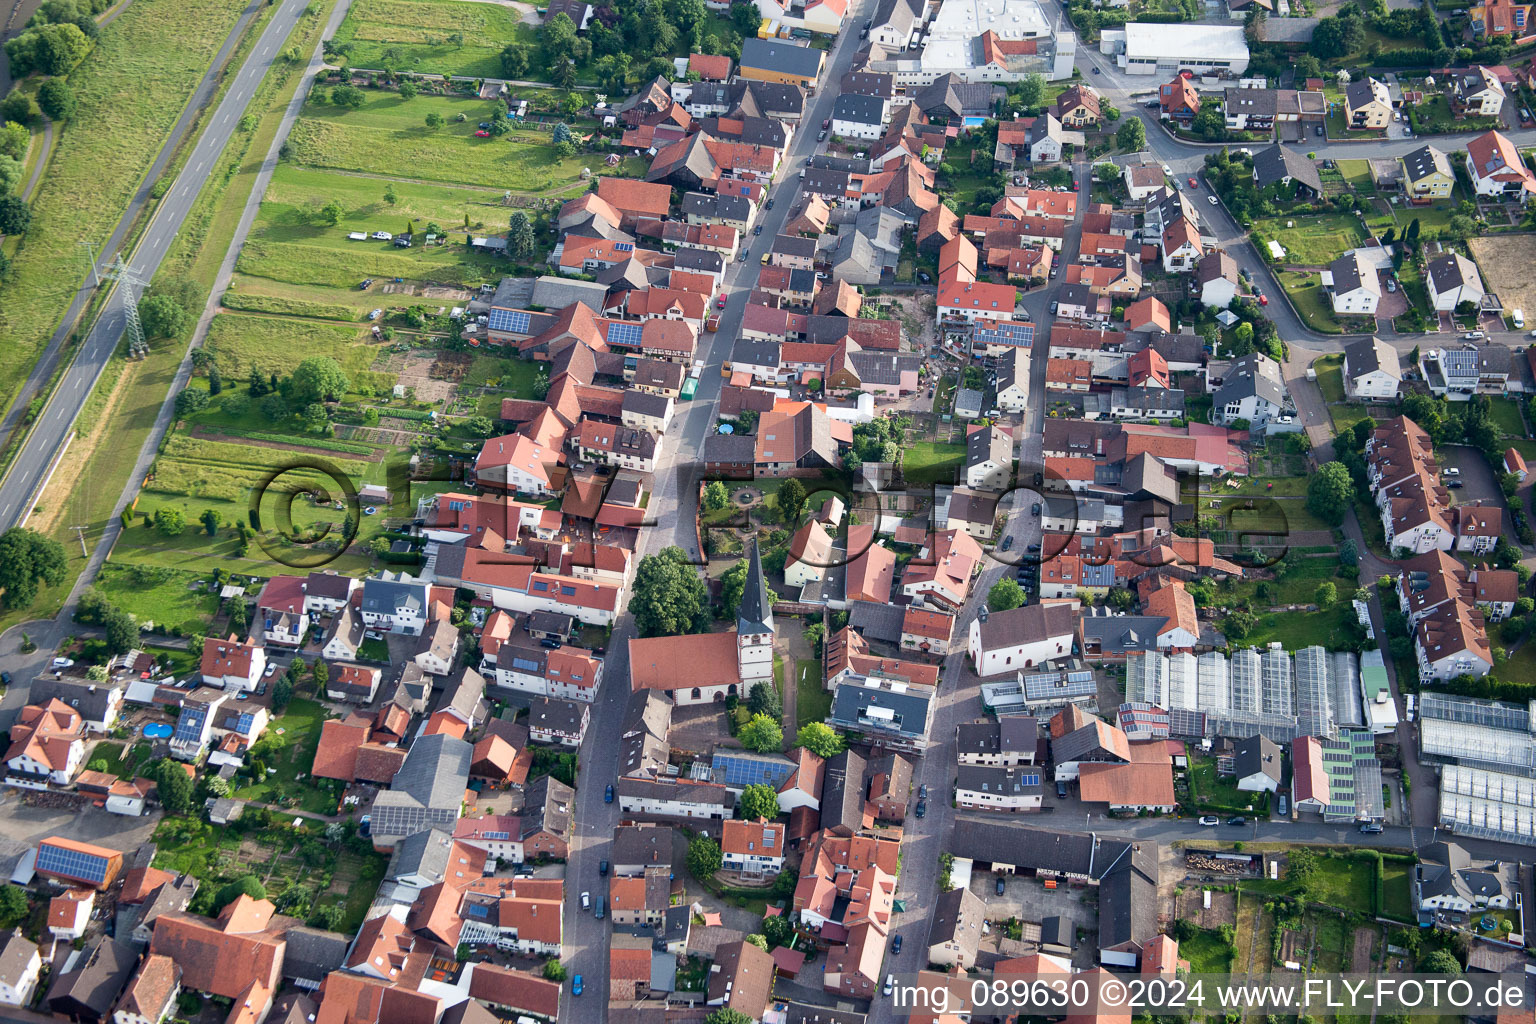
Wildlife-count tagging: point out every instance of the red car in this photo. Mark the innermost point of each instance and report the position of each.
(482, 134)
(1193, 183)
(1263, 299)
(720, 302)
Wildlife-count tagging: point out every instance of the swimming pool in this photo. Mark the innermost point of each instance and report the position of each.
(157, 731)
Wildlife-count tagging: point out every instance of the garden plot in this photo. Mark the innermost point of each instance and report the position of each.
(1506, 262)
(1191, 907)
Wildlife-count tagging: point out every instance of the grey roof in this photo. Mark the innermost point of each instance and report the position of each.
(730, 449)
(755, 352)
(559, 292)
(1150, 475)
(1255, 755)
(842, 792)
(794, 245)
(1007, 371)
(642, 844)
(971, 507)
(869, 83)
(682, 790)
(997, 780)
(328, 584)
(547, 807)
(987, 444)
(1216, 265)
(1367, 355)
(1253, 375)
(314, 953)
(1359, 93)
(709, 205)
(755, 615)
(1251, 102)
(767, 99)
(1122, 634)
(1345, 272)
(1166, 402)
(1128, 897)
(900, 15)
(1280, 162)
(15, 955)
(957, 917)
(559, 623)
(1013, 734)
(383, 596)
(1094, 741)
(465, 699)
(782, 57)
(643, 403)
(1030, 623)
(877, 621)
(427, 790)
(1057, 930)
(807, 1013)
(1424, 161)
(1452, 270)
(556, 714)
(910, 709)
(425, 853)
(88, 697)
(859, 109)
(704, 261)
(92, 987)
(1046, 126)
(881, 367)
(856, 258)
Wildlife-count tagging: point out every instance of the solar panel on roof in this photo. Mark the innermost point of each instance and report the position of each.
(54, 860)
(733, 771)
(513, 321)
(189, 725)
(623, 334)
(624, 247)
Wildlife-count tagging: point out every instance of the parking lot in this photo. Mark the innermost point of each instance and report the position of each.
(89, 824)
(1475, 476)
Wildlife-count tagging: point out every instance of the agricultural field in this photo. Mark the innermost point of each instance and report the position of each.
(445, 37)
(388, 136)
(1505, 262)
(131, 90)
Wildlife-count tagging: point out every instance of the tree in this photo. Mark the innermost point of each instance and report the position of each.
(1238, 624)
(215, 379)
(1005, 594)
(170, 520)
(791, 501)
(318, 379)
(162, 317)
(554, 971)
(211, 521)
(329, 216)
(14, 139)
(389, 194)
(1327, 594)
(1119, 598)
(18, 107)
(434, 120)
(559, 37)
(758, 802)
(27, 561)
(761, 734)
(668, 596)
(520, 240)
(321, 674)
(98, 764)
(759, 940)
(349, 97)
(514, 60)
(820, 739)
(1349, 554)
(57, 99)
(15, 215)
(745, 18)
(274, 407)
(122, 632)
(1329, 493)
(1440, 961)
(704, 858)
(245, 885)
(282, 693)
(51, 49)
(174, 786)
(1032, 91)
(763, 699)
(725, 1015)
(1131, 135)
(13, 905)
(716, 497)
(408, 90)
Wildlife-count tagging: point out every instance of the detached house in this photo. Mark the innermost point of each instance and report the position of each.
(1452, 280)
(754, 848)
(1367, 105)
(232, 665)
(1371, 373)
(1496, 168)
(1427, 175)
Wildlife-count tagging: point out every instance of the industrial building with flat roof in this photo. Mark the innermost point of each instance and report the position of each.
(1155, 49)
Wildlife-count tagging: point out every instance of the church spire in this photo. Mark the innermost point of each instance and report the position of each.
(756, 612)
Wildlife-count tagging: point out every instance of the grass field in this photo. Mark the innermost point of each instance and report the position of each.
(420, 35)
(932, 461)
(131, 90)
(297, 733)
(1295, 630)
(1314, 239)
(238, 342)
(1338, 881)
(123, 759)
(1305, 289)
(1398, 897)
(1506, 416)
(388, 136)
(812, 702)
(1207, 952)
(159, 595)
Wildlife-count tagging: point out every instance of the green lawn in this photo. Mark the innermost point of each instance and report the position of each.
(422, 36)
(130, 91)
(812, 702)
(388, 136)
(1207, 952)
(1358, 175)
(932, 461)
(1506, 416)
(1305, 289)
(123, 760)
(294, 736)
(1314, 239)
(1295, 630)
(162, 596)
(240, 341)
(514, 376)
(1398, 897)
(1330, 378)
(1339, 881)
(1212, 791)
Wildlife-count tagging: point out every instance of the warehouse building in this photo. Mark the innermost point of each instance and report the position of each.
(1163, 50)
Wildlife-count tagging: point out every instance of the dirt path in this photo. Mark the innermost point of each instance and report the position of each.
(42, 160)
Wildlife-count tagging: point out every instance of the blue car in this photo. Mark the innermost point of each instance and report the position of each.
(576, 985)
(608, 795)
(896, 944)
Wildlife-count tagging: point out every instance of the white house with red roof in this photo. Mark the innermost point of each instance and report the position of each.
(47, 745)
(231, 664)
(517, 463)
(753, 847)
(1496, 168)
(280, 611)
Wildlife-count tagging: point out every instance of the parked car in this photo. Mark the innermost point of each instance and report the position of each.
(1454, 485)
(1210, 820)
(1193, 183)
(720, 302)
(586, 901)
(890, 985)
(1061, 789)
(1453, 471)
(365, 285)
(1317, 130)
(576, 985)
(1263, 299)
(1034, 509)
(922, 808)
(922, 791)
(757, 230)
(821, 136)
(602, 868)
(1213, 200)
(896, 943)
(1000, 887)
(1238, 820)
(5, 679)
(769, 204)
(1371, 829)
(482, 134)
(1007, 542)
(922, 276)
(63, 662)
(608, 794)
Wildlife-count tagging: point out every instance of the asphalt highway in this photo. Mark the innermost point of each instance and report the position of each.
(54, 426)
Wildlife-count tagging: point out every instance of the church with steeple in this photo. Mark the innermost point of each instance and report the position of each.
(704, 667)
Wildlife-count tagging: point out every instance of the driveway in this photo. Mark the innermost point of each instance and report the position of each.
(1478, 483)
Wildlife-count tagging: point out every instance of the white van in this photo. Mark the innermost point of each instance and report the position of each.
(1518, 316)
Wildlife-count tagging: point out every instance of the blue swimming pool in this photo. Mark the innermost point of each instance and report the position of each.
(974, 122)
(157, 731)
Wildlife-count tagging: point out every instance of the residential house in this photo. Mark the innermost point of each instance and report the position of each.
(988, 462)
(1078, 107)
(1216, 277)
(1252, 389)
(859, 117)
(1367, 105)
(887, 710)
(280, 611)
(954, 934)
(1475, 92)
(1427, 175)
(779, 61)
(232, 665)
(1008, 790)
(1352, 284)
(394, 604)
(1496, 168)
(753, 848)
(1371, 373)
(1493, 18)
(810, 555)
(357, 684)
(1283, 166)
(47, 746)
(1257, 764)
(555, 721)
(1453, 279)
(20, 968)
(1178, 100)
(1024, 637)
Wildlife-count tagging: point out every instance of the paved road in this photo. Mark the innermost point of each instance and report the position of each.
(21, 484)
(673, 508)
